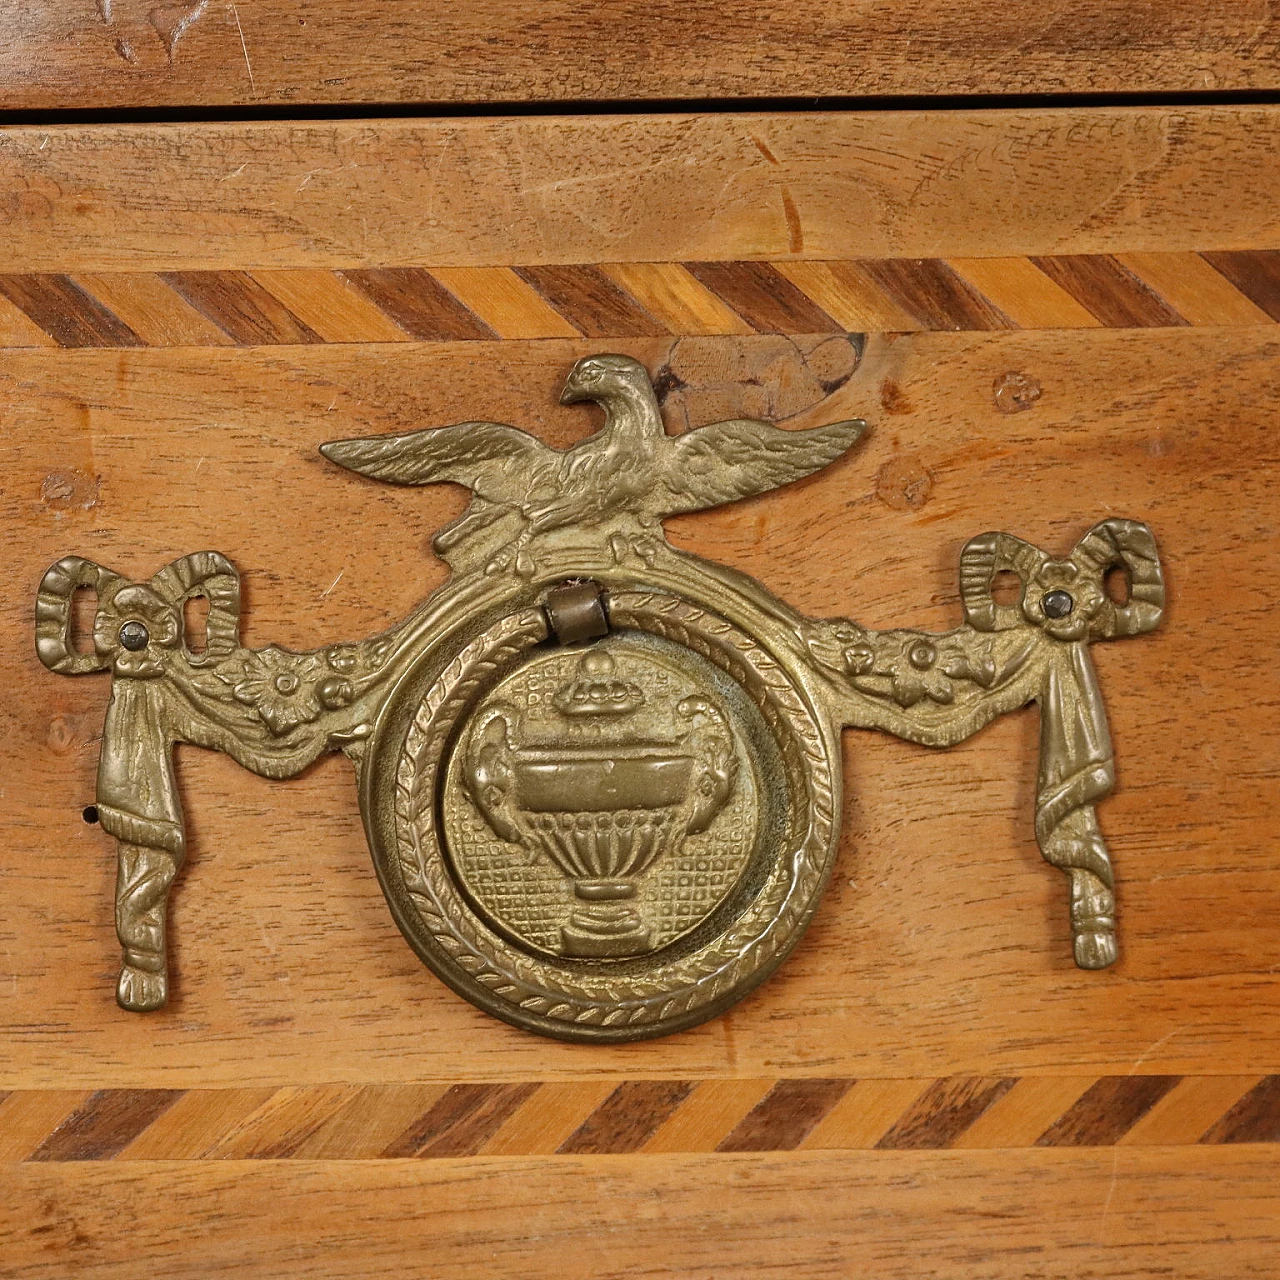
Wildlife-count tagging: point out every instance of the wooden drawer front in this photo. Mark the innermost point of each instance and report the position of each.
(1048, 318)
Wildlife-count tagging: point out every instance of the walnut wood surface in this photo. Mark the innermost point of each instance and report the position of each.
(1065, 320)
(618, 189)
(1195, 1213)
(112, 53)
(941, 946)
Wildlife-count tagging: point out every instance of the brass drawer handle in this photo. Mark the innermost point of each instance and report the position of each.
(600, 777)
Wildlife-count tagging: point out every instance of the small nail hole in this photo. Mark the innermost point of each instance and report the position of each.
(90, 814)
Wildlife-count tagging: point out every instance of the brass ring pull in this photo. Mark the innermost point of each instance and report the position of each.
(598, 774)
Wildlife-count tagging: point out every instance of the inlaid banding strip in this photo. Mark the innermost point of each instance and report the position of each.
(634, 300)
(420, 305)
(1255, 1118)
(945, 1110)
(69, 315)
(1255, 272)
(240, 307)
(627, 1118)
(1107, 1111)
(105, 1124)
(592, 302)
(462, 1121)
(763, 297)
(1113, 293)
(425, 1121)
(932, 292)
(785, 1116)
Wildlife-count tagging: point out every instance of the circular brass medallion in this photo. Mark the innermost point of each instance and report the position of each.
(602, 841)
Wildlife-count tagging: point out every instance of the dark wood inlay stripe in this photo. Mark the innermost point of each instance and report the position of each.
(591, 302)
(240, 307)
(764, 297)
(105, 1124)
(943, 1112)
(784, 1117)
(930, 290)
(1255, 272)
(627, 1118)
(69, 315)
(1106, 1111)
(466, 1117)
(420, 304)
(924, 293)
(462, 1121)
(1110, 292)
(1255, 1118)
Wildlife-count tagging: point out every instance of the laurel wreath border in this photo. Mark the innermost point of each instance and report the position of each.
(697, 980)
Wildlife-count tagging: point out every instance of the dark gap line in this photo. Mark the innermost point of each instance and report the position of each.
(629, 106)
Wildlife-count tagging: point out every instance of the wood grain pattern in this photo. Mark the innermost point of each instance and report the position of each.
(310, 962)
(1047, 317)
(115, 53)
(1198, 1213)
(662, 188)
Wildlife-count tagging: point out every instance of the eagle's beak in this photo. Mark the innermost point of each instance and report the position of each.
(573, 389)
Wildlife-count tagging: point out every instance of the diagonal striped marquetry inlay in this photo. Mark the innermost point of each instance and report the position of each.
(633, 300)
(593, 1117)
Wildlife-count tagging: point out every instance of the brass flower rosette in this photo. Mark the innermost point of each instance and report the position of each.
(599, 777)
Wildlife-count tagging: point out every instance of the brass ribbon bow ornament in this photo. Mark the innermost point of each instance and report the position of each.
(272, 710)
(591, 516)
(938, 690)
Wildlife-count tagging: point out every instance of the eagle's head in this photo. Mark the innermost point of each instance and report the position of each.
(601, 377)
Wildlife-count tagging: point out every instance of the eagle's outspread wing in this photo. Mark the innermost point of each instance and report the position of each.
(493, 460)
(730, 460)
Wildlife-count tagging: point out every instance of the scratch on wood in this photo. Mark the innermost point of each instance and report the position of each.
(795, 232)
(764, 150)
(244, 48)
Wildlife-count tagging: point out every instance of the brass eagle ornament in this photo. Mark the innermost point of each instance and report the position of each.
(599, 776)
(622, 480)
